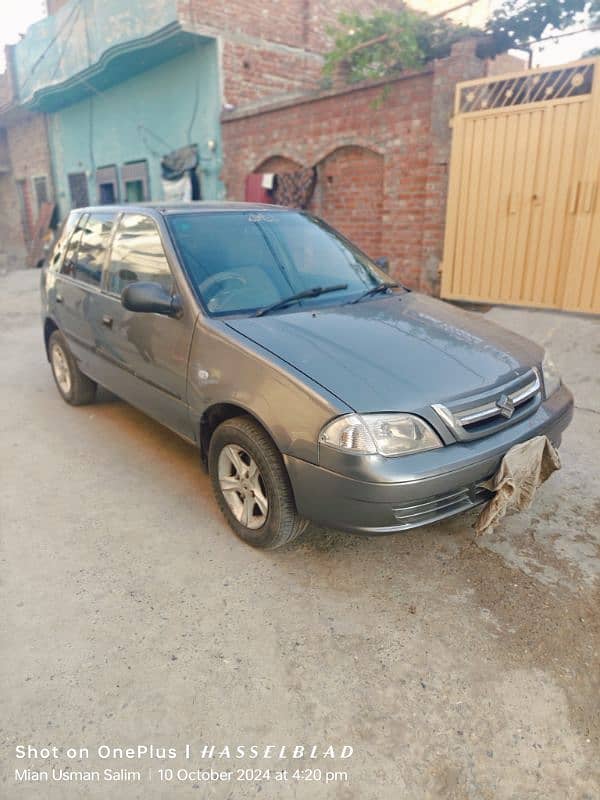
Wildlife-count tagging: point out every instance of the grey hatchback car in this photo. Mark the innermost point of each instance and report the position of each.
(315, 388)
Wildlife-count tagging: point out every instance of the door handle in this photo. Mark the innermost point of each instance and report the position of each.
(108, 321)
(59, 298)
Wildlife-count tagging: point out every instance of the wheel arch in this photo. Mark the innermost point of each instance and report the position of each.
(49, 327)
(217, 413)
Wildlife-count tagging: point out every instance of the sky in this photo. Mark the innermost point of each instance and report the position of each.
(17, 15)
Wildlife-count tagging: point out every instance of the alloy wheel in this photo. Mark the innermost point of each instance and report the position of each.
(243, 486)
(61, 369)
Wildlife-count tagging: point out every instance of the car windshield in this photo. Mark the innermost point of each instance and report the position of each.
(243, 261)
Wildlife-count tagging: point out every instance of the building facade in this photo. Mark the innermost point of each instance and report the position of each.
(101, 94)
(100, 91)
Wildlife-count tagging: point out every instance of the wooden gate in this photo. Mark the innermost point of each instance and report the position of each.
(523, 218)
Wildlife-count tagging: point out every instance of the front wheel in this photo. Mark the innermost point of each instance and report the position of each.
(251, 485)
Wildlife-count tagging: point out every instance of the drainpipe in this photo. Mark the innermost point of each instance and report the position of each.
(52, 164)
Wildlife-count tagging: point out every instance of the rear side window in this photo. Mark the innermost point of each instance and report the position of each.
(87, 249)
(69, 265)
(137, 255)
(62, 241)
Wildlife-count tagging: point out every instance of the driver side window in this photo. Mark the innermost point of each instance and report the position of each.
(138, 255)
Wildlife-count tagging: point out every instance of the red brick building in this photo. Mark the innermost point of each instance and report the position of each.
(381, 150)
(269, 48)
(25, 181)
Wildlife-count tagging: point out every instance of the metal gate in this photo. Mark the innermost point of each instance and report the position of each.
(523, 218)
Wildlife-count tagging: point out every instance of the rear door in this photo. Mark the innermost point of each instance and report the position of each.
(78, 284)
(145, 355)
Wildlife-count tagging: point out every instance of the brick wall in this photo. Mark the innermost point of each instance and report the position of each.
(349, 194)
(30, 158)
(295, 23)
(272, 48)
(12, 244)
(381, 150)
(323, 14)
(278, 164)
(28, 145)
(27, 149)
(252, 71)
(463, 65)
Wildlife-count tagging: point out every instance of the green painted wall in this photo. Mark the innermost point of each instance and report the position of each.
(79, 34)
(143, 117)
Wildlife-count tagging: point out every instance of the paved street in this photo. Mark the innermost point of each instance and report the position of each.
(455, 668)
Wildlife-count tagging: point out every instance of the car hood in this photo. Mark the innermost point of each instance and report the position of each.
(396, 353)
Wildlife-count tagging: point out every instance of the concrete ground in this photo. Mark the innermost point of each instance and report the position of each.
(130, 615)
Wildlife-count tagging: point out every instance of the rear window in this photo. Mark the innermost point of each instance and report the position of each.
(87, 248)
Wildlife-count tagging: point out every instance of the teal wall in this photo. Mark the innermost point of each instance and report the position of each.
(79, 35)
(143, 118)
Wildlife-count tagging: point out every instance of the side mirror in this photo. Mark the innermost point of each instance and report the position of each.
(383, 263)
(150, 298)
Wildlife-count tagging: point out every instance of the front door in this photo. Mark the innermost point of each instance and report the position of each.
(145, 355)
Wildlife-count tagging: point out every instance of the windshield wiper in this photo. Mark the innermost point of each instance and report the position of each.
(381, 287)
(314, 292)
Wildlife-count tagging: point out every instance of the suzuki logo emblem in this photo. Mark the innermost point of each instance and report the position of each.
(505, 405)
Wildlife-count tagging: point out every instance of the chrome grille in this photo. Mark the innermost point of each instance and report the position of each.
(491, 411)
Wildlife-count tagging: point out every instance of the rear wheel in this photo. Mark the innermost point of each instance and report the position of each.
(251, 485)
(75, 387)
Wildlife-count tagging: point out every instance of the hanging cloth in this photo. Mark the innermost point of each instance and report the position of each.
(294, 189)
(177, 162)
(177, 191)
(178, 175)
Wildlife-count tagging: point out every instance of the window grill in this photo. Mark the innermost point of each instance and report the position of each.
(78, 189)
(40, 186)
(555, 84)
(107, 185)
(135, 181)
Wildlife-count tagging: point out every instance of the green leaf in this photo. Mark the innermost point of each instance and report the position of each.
(412, 38)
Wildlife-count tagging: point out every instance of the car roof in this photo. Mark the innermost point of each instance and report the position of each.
(198, 206)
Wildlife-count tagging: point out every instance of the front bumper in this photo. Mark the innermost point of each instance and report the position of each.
(376, 495)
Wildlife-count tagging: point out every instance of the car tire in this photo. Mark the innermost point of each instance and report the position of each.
(251, 485)
(75, 388)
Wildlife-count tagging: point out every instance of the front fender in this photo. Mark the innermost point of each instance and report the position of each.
(225, 367)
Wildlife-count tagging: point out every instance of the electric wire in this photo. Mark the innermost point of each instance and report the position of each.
(74, 11)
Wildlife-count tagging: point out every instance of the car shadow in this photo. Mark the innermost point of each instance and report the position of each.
(105, 397)
(154, 440)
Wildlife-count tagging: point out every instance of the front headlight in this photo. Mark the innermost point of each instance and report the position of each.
(551, 375)
(386, 434)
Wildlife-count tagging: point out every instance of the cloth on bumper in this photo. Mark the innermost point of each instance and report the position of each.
(524, 467)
